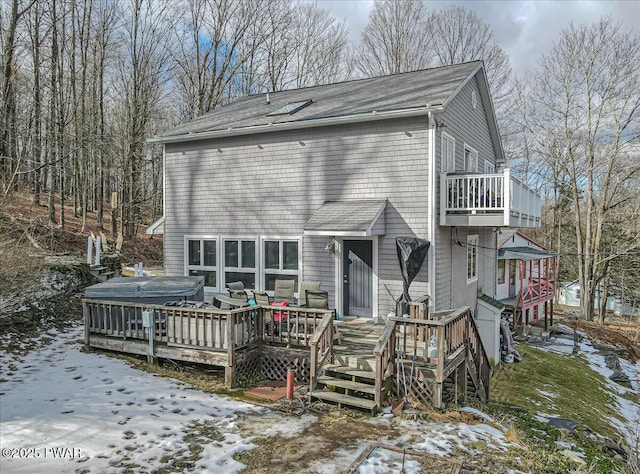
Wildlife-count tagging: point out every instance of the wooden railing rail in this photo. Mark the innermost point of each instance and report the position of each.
(479, 355)
(321, 347)
(210, 328)
(294, 326)
(385, 354)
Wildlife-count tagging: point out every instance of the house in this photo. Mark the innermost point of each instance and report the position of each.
(526, 276)
(317, 183)
(568, 295)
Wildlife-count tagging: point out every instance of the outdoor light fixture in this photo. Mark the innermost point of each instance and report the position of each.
(331, 245)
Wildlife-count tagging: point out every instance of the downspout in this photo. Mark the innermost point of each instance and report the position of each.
(431, 163)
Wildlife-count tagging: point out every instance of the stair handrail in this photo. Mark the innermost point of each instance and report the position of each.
(384, 353)
(479, 355)
(321, 346)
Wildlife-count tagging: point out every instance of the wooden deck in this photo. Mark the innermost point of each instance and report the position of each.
(352, 363)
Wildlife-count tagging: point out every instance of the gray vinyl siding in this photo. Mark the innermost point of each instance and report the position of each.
(270, 184)
(470, 127)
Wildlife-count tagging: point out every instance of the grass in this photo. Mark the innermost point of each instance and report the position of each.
(564, 386)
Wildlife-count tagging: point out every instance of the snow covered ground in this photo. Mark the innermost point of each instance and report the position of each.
(63, 410)
(629, 410)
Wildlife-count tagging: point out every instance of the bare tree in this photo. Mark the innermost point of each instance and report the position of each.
(586, 122)
(458, 35)
(9, 22)
(209, 56)
(394, 39)
(144, 69)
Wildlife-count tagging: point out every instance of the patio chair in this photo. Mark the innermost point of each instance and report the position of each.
(283, 290)
(235, 285)
(262, 299)
(307, 286)
(317, 299)
(239, 295)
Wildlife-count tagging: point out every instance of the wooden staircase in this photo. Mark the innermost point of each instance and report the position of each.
(350, 380)
(367, 362)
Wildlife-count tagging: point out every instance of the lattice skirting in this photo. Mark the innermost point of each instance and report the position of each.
(271, 364)
(420, 387)
(248, 365)
(274, 365)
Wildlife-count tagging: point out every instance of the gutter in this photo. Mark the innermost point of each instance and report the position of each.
(276, 127)
(432, 210)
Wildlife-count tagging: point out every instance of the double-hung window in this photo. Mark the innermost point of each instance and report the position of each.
(202, 259)
(240, 261)
(470, 159)
(489, 167)
(281, 261)
(448, 153)
(472, 258)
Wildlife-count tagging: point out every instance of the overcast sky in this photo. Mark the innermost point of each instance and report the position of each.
(522, 28)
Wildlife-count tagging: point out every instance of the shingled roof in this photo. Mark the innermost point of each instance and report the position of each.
(418, 90)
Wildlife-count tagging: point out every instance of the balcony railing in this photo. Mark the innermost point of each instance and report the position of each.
(492, 200)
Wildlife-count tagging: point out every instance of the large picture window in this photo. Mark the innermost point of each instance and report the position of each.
(240, 261)
(281, 261)
(472, 258)
(202, 259)
(448, 152)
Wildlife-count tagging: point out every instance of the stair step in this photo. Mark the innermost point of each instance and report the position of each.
(98, 268)
(350, 371)
(345, 400)
(347, 384)
(355, 361)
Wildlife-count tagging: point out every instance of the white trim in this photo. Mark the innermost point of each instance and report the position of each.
(463, 83)
(339, 262)
(334, 233)
(432, 211)
(280, 271)
(464, 155)
(472, 240)
(185, 262)
(375, 291)
(151, 230)
(223, 263)
(311, 123)
(338, 275)
(444, 136)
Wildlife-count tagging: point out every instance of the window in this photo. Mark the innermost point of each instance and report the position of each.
(202, 259)
(577, 293)
(470, 159)
(501, 271)
(472, 258)
(448, 153)
(281, 261)
(240, 261)
(489, 167)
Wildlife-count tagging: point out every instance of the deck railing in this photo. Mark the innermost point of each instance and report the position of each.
(385, 354)
(215, 329)
(321, 347)
(497, 194)
(444, 341)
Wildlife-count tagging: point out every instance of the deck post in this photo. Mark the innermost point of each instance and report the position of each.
(87, 325)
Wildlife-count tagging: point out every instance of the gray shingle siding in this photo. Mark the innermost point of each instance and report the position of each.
(467, 126)
(271, 184)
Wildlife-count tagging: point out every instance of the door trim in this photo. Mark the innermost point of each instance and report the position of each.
(339, 272)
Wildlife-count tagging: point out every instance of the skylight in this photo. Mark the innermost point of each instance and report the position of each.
(291, 108)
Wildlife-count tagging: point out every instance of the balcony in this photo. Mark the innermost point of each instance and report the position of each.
(487, 200)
